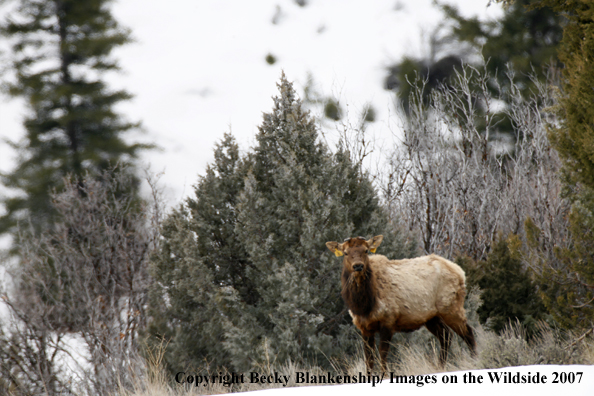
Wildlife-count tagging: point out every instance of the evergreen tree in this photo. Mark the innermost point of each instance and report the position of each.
(60, 50)
(298, 196)
(255, 235)
(199, 255)
(524, 41)
(568, 286)
(509, 294)
(411, 74)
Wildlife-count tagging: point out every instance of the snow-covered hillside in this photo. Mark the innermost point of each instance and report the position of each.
(198, 68)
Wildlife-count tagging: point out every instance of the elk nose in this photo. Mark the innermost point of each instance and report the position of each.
(358, 267)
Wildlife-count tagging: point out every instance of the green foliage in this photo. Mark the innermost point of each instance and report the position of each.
(181, 299)
(60, 49)
(574, 139)
(327, 105)
(270, 59)
(198, 255)
(332, 110)
(522, 40)
(567, 286)
(508, 292)
(423, 75)
(525, 40)
(244, 263)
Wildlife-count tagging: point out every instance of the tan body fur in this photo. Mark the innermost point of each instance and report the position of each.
(388, 296)
(410, 292)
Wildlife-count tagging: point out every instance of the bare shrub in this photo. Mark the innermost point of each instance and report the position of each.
(457, 181)
(84, 282)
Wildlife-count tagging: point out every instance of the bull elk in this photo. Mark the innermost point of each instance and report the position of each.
(387, 296)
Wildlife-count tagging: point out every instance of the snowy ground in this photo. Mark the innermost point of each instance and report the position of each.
(554, 381)
(198, 68)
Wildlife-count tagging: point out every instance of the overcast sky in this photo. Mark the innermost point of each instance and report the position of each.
(198, 70)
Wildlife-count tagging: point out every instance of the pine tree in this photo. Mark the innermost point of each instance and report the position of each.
(255, 235)
(60, 50)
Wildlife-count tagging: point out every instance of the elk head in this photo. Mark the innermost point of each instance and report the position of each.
(355, 251)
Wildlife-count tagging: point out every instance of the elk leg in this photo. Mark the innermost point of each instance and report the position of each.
(468, 337)
(461, 327)
(369, 349)
(439, 329)
(385, 338)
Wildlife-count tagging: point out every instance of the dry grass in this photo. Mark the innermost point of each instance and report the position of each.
(413, 355)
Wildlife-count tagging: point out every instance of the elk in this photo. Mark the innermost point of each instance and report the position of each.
(389, 296)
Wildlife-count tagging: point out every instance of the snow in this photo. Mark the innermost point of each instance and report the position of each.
(443, 384)
(198, 71)
(197, 68)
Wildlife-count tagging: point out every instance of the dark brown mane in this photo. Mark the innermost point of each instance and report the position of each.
(359, 296)
(387, 296)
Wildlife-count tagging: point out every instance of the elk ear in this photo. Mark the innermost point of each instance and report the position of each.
(335, 248)
(375, 242)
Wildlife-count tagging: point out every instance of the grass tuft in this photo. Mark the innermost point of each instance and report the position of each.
(413, 354)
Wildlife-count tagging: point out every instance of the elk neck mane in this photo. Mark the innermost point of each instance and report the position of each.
(358, 292)
(389, 296)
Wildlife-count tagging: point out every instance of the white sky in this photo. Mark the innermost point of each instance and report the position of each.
(197, 68)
